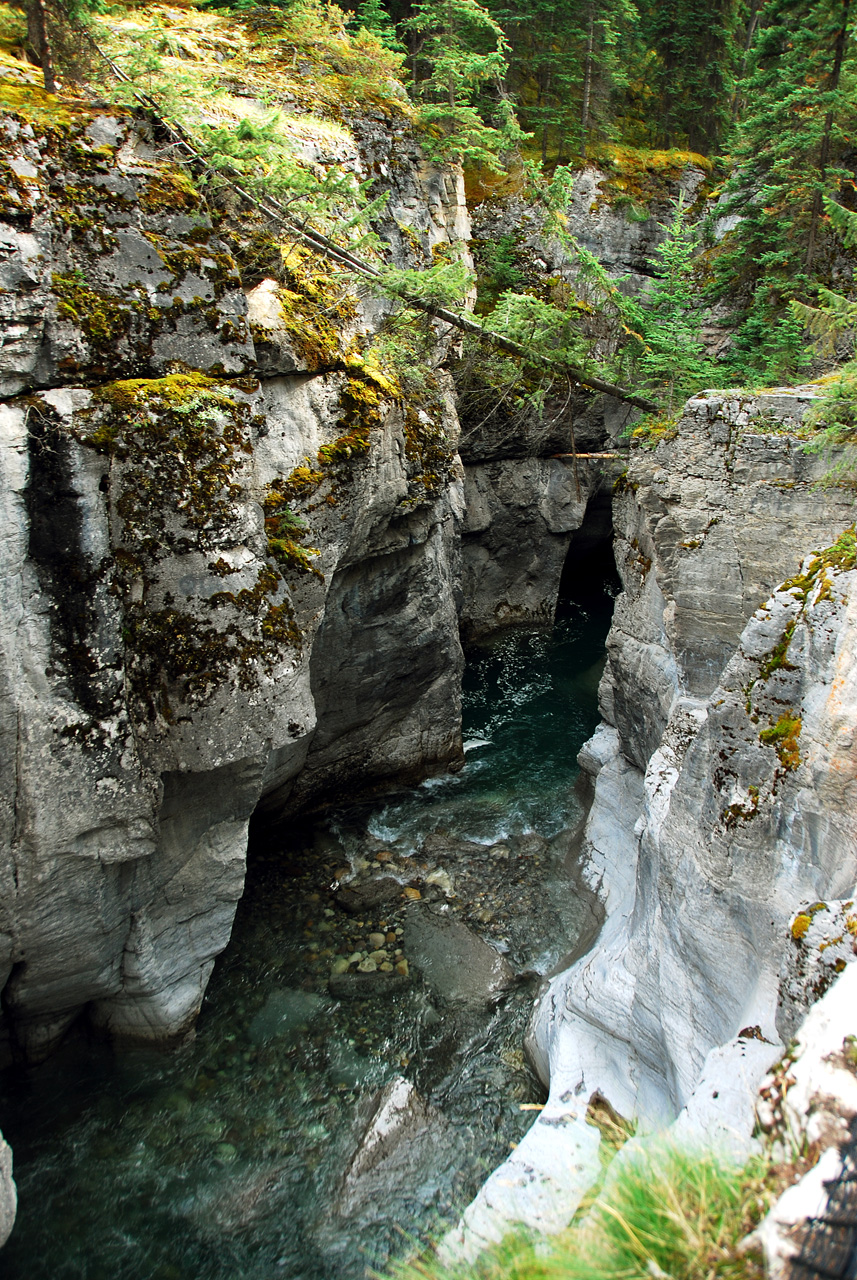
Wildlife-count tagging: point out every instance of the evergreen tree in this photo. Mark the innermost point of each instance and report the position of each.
(790, 149)
(458, 55)
(670, 353)
(693, 48)
(565, 66)
(372, 16)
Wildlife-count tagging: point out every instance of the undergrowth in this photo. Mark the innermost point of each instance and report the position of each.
(668, 1213)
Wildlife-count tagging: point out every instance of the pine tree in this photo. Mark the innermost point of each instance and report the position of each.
(790, 149)
(670, 353)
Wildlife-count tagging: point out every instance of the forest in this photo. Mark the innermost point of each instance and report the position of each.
(753, 282)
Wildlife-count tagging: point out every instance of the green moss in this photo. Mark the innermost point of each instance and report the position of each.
(171, 653)
(105, 319)
(315, 308)
(776, 659)
(783, 736)
(170, 190)
(428, 455)
(655, 428)
(838, 558)
(286, 533)
(736, 813)
(178, 444)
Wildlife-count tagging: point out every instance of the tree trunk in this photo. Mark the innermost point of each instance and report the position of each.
(824, 155)
(587, 85)
(37, 34)
(748, 44)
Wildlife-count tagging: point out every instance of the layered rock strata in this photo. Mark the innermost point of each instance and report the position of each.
(725, 798)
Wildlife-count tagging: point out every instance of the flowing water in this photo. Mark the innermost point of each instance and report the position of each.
(225, 1160)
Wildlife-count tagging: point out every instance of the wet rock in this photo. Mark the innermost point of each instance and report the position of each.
(365, 986)
(377, 940)
(404, 1135)
(363, 895)
(456, 963)
(284, 1013)
(8, 1194)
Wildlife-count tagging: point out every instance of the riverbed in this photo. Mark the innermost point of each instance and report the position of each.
(228, 1157)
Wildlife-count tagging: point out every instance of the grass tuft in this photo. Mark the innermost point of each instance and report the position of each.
(668, 1213)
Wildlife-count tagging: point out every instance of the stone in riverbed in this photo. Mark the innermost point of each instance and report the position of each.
(456, 963)
(362, 895)
(404, 1134)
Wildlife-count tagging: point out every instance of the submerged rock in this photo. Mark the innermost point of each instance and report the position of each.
(404, 1136)
(367, 983)
(359, 896)
(455, 962)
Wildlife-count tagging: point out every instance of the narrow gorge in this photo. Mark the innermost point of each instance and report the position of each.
(396, 783)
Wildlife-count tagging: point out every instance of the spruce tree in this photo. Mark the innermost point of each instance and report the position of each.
(671, 355)
(694, 50)
(458, 54)
(790, 147)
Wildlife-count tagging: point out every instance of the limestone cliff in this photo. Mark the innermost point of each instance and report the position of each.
(229, 555)
(724, 825)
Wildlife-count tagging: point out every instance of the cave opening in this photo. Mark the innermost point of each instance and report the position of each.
(589, 579)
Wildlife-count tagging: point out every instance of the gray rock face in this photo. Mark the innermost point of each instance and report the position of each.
(520, 518)
(725, 802)
(706, 527)
(746, 809)
(214, 588)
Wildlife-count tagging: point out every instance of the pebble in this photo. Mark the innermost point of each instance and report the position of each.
(355, 957)
(386, 967)
(378, 956)
(388, 937)
(413, 895)
(367, 966)
(402, 968)
(377, 940)
(339, 966)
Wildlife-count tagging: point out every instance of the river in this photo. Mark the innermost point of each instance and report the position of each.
(226, 1158)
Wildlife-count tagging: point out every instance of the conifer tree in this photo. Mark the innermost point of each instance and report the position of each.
(694, 43)
(670, 353)
(790, 147)
(459, 60)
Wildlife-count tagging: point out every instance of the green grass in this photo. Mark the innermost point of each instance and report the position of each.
(669, 1214)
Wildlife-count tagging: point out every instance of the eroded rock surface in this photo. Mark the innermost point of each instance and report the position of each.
(724, 779)
(229, 560)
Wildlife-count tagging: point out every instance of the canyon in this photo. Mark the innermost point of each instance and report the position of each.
(238, 563)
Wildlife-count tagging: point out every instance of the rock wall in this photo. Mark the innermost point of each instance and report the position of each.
(520, 517)
(725, 800)
(741, 805)
(230, 564)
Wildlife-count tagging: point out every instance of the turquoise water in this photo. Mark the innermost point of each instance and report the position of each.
(225, 1159)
